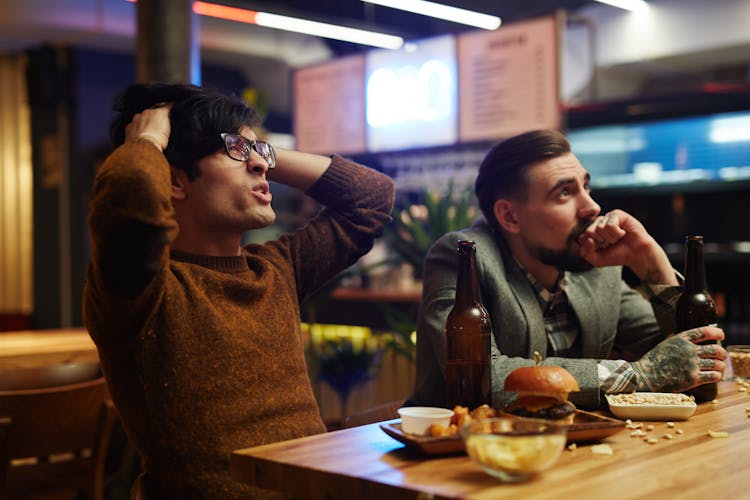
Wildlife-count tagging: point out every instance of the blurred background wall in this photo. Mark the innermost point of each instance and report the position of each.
(62, 62)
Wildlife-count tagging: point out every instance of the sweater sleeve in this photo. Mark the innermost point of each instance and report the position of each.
(358, 202)
(131, 220)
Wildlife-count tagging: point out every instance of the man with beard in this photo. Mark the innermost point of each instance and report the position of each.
(549, 266)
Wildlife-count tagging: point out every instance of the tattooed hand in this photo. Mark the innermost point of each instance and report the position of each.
(678, 363)
(619, 239)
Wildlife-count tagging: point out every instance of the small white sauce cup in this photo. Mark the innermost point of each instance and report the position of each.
(417, 419)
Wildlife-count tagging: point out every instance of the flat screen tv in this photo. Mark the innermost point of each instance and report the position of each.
(702, 152)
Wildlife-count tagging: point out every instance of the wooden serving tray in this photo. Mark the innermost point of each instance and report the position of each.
(586, 427)
(424, 444)
(589, 426)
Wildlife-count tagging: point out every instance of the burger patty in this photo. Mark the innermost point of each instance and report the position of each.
(554, 412)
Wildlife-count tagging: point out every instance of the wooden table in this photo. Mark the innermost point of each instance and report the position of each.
(35, 348)
(363, 462)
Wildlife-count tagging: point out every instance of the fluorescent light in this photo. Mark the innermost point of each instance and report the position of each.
(298, 25)
(734, 129)
(631, 5)
(329, 31)
(445, 12)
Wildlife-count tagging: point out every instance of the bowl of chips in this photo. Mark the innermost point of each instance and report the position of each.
(514, 449)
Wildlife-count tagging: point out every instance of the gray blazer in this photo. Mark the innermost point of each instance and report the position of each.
(612, 316)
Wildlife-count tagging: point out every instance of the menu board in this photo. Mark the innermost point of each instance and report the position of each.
(508, 80)
(329, 109)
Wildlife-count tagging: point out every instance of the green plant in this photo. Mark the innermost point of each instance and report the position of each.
(417, 226)
(402, 338)
(344, 366)
(414, 230)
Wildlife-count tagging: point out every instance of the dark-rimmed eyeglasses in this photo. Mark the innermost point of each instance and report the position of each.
(240, 148)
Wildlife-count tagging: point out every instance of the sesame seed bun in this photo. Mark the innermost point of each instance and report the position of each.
(548, 381)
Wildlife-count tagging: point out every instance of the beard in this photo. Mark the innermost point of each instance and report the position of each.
(569, 258)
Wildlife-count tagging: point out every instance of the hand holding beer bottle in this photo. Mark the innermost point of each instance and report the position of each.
(696, 307)
(692, 356)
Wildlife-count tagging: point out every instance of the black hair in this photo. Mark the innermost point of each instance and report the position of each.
(198, 117)
(503, 171)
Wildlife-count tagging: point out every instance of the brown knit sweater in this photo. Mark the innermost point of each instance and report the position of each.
(204, 355)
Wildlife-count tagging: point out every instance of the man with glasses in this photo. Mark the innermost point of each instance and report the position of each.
(199, 337)
(239, 148)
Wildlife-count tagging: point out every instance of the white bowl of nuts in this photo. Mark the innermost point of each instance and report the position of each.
(652, 405)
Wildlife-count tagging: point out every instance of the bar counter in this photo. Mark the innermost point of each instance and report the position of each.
(364, 462)
(27, 349)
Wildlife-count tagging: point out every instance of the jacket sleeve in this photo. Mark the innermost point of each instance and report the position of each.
(639, 328)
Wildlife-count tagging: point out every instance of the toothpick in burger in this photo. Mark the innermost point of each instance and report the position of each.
(542, 392)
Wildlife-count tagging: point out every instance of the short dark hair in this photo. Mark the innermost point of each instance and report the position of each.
(197, 118)
(503, 171)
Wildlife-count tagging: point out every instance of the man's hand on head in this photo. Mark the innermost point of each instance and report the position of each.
(151, 124)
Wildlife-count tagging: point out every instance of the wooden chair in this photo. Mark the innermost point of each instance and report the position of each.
(385, 411)
(145, 488)
(62, 434)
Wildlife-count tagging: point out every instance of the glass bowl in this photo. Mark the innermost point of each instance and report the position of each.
(514, 449)
(739, 356)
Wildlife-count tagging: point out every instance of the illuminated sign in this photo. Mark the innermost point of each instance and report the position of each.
(508, 80)
(411, 96)
(329, 107)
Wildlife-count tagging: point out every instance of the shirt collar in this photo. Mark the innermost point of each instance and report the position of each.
(547, 297)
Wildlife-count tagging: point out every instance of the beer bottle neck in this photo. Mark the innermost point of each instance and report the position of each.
(467, 285)
(695, 269)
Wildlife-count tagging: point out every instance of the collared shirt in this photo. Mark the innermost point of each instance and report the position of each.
(560, 322)
(563, 329)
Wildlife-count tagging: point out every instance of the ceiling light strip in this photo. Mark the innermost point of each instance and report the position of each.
(225, 12)
(445, 12)
(631, 5)
(329, 31)
(304, 26)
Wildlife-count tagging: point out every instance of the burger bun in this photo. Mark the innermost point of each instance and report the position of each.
(543, 381)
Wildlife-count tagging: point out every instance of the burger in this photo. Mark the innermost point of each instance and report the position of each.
(542, 393)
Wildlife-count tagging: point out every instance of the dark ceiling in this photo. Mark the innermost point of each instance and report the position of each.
(358, 14)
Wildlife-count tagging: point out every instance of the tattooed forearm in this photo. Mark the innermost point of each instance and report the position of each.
(668, 367)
